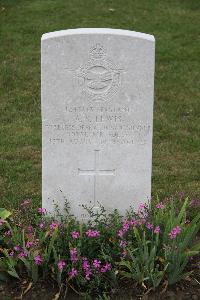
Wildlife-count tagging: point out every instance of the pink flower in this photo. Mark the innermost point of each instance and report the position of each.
(141, 206)
(122, 244)
(176, 230)
(17, 248)
(141, 210)
(106, 267)
(97, 263)
(157, 229)
(22, 254)
(92, 233)
(11, 253)
(8, 233)
(41, 225)
(88, 273)
(172, 235)
(86, 264)
(125, 226)
(53, 226)
(30, 229)
(26, 203)
(149, 226)
(160, 205)
(134, 222)
(29, 244)
(73, 273)
(38, 260)
(120, 233)
(73, 255)
(2, 222)
(87, 269)
(41, 210)
(61, 265)
(142, 221)
(75, 234)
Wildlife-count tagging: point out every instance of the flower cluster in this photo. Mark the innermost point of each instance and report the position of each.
(92, 233)
(160, 205)
(126, 226)
(38, 260)
(23, 254)
(8, 233)
(157, 229)
(75, 234)
(42, 210)
(86, 268)
(29, 244)
(73, 255)
(61, 264)
(106, 267)
(123, 244)
(149, 226)
(142, 210)
(176, 230)
(96, 263)
(41, 225)
(53, 226)
(17, 248)
(73, 273)
(95, 266)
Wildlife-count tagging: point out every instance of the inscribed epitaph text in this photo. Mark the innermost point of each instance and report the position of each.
(97, 118)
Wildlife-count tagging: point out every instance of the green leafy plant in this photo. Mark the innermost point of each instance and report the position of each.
(4, 213)
(177, 246)
(147, 247)
(142, 263)
(8, 265)
(179, 251)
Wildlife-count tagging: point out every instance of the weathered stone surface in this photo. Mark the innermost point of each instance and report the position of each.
(97, 118)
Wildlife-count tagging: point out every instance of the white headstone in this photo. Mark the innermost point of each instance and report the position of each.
(97, 118)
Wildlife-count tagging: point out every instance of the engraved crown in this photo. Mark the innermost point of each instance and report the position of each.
(97, 52)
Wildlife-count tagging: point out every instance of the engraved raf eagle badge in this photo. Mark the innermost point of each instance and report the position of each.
(99, 78)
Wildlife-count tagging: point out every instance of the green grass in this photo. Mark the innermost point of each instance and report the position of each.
(175, 24)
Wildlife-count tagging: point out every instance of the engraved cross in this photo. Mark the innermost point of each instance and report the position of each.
(96, 171)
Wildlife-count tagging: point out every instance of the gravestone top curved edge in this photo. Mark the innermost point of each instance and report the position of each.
(123, 32)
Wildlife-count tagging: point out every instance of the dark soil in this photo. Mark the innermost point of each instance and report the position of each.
(14, 291)
(49, 293)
